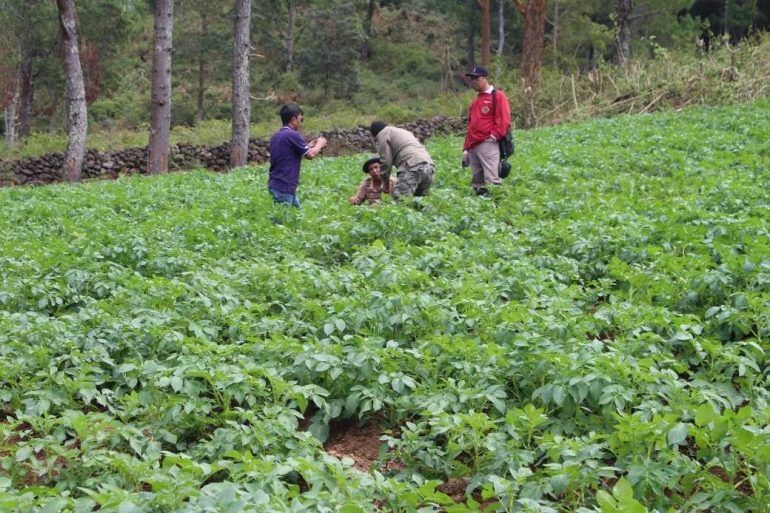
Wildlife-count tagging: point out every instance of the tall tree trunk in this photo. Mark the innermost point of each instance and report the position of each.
(623, 44)
(10, 112)
(239, 145)
(27, 93)
(470, 47)
(365, 52)
(500, 26)
(158, 147)
(92, 73)
(485, 31)
(53, 110)
(202, 59)
(76, 93)
(10, 122)
(727, 18)
(556, 34)
(290, 35)
(532, 51)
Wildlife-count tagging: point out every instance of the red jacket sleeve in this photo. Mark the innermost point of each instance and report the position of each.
(466, 144)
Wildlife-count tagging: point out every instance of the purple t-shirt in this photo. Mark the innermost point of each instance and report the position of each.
(287, 147)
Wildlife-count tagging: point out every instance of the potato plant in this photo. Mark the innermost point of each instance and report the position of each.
(593, 337)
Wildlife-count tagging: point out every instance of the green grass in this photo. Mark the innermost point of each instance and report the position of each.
(594, 336)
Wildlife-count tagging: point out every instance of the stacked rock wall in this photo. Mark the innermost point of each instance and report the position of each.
(96, 165)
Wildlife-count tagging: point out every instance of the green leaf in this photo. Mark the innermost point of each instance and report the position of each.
(559, 483)
(54, 506)
(704, 415)
(23, 453)
(129, 507)
(606, 502)
(559, 394)
(352, 402)
(176, 383)
(462, 508)
(320, 430)
(87, 394)
(677, 434)
(302, 402)
(409, 382)
(623, 491)
(499, 404)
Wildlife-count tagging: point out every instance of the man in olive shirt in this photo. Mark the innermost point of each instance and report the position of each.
(399, 148)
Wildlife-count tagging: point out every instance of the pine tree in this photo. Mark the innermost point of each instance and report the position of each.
(76, 93)
(239, 144)
(160, 127)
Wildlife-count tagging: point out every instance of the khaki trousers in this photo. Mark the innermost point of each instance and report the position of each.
(485, 160)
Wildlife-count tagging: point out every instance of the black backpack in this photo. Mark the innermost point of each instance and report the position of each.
(507, 147)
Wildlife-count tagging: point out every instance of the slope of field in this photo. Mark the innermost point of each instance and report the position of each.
(592, 338)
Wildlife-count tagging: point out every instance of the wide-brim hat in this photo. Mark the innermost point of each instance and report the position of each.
(370, 162)
(478, 71)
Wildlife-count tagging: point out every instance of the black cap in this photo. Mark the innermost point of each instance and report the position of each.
(377, 127)
(478, 71)
(370, 162)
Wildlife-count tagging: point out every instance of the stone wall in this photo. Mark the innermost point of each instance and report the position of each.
(342, 141)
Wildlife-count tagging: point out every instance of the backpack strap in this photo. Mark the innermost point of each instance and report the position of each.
(494, 110)
(494, 103)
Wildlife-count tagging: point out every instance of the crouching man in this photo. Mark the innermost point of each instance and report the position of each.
(399, 148)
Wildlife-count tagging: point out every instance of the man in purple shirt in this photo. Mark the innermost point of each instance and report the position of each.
(287, 147)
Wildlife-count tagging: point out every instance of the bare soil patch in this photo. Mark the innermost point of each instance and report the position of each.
(360, 443)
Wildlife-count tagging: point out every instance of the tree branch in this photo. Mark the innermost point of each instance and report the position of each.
(641, 14)
(520, 6)
(271, 96)
(13, 11)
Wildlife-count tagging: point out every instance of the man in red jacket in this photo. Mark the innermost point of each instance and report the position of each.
(488, 122)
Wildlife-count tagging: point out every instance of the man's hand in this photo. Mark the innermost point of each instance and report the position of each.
(316, 145)
(466, 159)
(321, 140)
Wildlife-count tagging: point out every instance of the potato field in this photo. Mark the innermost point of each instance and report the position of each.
(592, 338)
